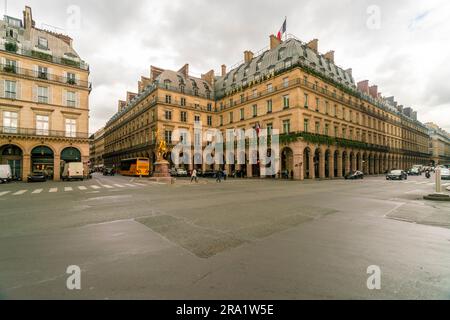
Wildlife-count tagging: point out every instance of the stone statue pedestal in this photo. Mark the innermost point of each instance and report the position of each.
(161, 173)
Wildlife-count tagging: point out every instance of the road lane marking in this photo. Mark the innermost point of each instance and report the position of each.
(130, 185)
(18, 193)
(140, 184)
(119, 186)
(107, 186)
(82, 188)
(37, 191)
(53, 190)
(95, 187)
(68, 189)
(4, 193)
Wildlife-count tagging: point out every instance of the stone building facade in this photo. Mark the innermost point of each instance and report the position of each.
(439, 144)
(329, 124)
(44, 99)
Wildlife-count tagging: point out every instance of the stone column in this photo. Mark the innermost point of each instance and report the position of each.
(298, 167)
(26, 166)
(322, 165)
(57, 167)
(331, 165)
(312, 171)
(354, 163)
(249, 171)
(339, 165)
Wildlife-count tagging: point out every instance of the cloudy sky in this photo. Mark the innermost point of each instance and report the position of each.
(402, 46)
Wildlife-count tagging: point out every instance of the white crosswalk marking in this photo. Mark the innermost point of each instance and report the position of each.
(53, 190)
(95, 187)
(68, 189)
(119, 186)
(107, 186)
(130, 185)
(18, 193)
(82, 188)
(4, 193)
(140, 184)
(37, 191)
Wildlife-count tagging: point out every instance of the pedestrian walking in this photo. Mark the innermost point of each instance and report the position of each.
(219, 176)
(225, 174)
(194, 176)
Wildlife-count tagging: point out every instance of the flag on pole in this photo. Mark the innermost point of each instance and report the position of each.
(282, 30)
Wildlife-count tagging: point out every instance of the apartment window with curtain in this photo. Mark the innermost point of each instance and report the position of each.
(183, 116)
(42, 125)
(42, 72)
(306, 125)
(306, 101)
(197, 119)
(255, 110)
(286, 82)
(42, 94)
(168, 136)
(183, 102)
(10, 89)
(168, 99)
(209, 120)
(221, 120)
(10, 121)
(71, 78)
(269, 106)
(10, 66)
(286, 101)
(231, 117)
(71, 99)
(71, 128)
(242, 113)
(317, 127)
(168, 115)
(286, 126)
(327, 129)
(269, 87)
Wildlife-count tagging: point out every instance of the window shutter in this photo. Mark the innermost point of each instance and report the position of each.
(3, 61)
(19, 90)
(77, 79)
(2, 88)
(35, 69)
(64, 98)
(77, 98)
(50, 74)
(50, 95)
(35, 93)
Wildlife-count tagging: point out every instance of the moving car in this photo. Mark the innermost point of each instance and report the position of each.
(397, 175)
(354, 175)
(181, 172)
(445, 174)
(415, 171)
(5, 173)
(73, 170)
(37, 176)
(109, 171)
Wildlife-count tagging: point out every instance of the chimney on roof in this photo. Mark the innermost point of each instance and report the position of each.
(224, 70)
(209, 77)
(373, 91)
(314, 45)
(414, 115)
(248, 56)
(274, 42)
(185, 70)
(155, 72)
(363, 86)
(28, 18)
(330, 55)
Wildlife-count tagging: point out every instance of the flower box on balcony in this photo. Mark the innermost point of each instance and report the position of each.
(41, 55)
(11, 47)
(70, 62)
(10, 69)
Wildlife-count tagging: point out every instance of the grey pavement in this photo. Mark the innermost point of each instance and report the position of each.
(242, 239)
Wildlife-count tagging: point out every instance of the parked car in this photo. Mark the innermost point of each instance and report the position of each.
(173, 172)
(5, 173)
(397, 175)
(73, 171)
(445, 174)
(37, 176)
(209, 174)
(109, 171)
(415, 171)
(181, 172)
(354, 175)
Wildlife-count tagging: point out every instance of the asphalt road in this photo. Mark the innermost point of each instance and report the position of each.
(241, 239)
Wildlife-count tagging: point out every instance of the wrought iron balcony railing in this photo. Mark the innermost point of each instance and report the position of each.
(44, 133)
(14, 70)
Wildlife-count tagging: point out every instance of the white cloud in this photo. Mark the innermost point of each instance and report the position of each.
(406, 57)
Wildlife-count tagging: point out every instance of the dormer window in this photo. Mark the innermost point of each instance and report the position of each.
(167, 84)
(258, 65)
(288, 63)
(43, 43)
(281, 54)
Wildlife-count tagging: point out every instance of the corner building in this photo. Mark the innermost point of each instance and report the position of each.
(329, 125)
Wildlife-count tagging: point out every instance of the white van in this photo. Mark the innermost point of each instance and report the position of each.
(73, 170)
(5, 173)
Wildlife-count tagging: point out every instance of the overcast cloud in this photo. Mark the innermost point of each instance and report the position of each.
(407, 56)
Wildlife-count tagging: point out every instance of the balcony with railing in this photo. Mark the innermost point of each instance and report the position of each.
(42, 133)
(45, 76)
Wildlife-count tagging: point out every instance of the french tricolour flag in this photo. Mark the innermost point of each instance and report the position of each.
(282, 30)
